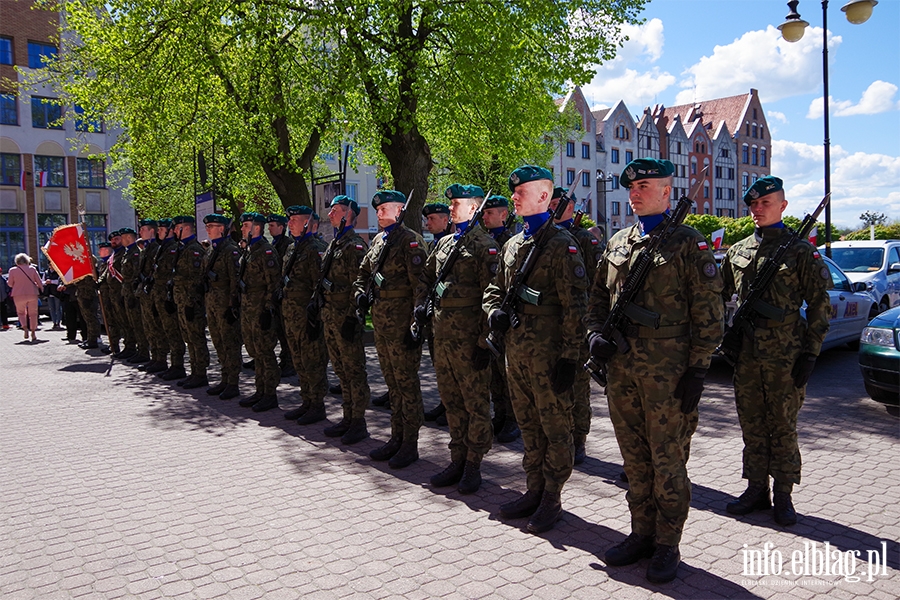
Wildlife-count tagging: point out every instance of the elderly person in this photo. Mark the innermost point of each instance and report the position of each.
(26, 285)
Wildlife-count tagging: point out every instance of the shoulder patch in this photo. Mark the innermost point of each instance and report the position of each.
(573, 250)
(359, 246)
(173, 251)
(268, 252)
(709, 269)
(703, 245)
(417, 260)
(414, 244)
(492, 251)
(824, 273)
(594, 241)
(234, 252)
(579, 271)
(816, 254)
(321, 254)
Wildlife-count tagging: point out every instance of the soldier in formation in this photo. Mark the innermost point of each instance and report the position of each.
(188, 293)
(438, 224)
(281, 241)
(161, 288)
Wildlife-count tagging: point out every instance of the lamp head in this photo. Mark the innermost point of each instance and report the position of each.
(859, 11)
(793, 27)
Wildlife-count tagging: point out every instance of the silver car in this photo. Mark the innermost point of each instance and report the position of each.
(875, 263)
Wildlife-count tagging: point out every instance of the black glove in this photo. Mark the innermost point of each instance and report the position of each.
(132, 303)
(348, 329)
(410, 342)
(563, 375)
(362, 302)
(420, 313)
(601, 349)
(690, 388)
(231, 315)
(313, 329)
(312, 312)
(499, 321)
(481, 358)
(803, 368)
(265, 319)
(189, 313)
(170, 306)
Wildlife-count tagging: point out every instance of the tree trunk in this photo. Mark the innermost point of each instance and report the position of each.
(410, 158)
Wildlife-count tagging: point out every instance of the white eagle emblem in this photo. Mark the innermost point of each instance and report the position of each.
(75, 251)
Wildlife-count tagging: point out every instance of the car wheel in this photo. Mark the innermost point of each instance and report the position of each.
(874, 311)
(880, 395)
(884, 305)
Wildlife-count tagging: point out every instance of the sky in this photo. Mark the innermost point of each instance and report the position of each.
(692, 50)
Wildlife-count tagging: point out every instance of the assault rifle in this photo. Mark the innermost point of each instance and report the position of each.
(318, 297)
(753, 307)
(286, 279)
(151, 279)
(170, 284)
(437, 290)
(375, 277)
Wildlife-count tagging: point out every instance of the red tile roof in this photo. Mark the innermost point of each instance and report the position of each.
(730, 110)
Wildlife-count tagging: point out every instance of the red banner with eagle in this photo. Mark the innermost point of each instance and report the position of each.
(69, 253)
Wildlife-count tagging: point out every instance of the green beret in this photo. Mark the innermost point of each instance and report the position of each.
(167, 223)
(385, 196)
(297, 210)
(526, 174)
(148, 223)
(496, 202)
(127, 231)
(646, 168)
(253, 216)
(346, 201)
(216, 219)
(763, 187)
(184, 219)
(104, 245)
(114, 234)
(280, 219)
(435, 208)
(559, 191)
(464, 191)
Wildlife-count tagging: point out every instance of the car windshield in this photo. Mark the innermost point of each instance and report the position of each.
(858, 260)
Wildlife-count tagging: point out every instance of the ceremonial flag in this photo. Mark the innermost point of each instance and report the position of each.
(813, 235)
(69, 254)
(718, 236)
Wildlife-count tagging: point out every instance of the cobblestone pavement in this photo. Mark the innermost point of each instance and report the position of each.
(115, 485)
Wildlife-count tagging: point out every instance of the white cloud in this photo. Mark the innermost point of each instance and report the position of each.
(877, 98)
(777, 116)
(758, 56)
(859, 181)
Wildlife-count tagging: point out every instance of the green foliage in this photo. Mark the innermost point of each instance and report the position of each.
(882, 232)
(872, 218)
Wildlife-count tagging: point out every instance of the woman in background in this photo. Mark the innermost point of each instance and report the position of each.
(26, 285)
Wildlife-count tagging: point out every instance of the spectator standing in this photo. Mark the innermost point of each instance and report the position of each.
(26, 285)
(51, 282)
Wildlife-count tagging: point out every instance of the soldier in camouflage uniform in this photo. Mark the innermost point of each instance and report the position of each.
(189, 291)
(496, 215)
(156, 339)
(654, 387)
(437, 223)
(113, 329)
(86, 295)
(163, 270)
(219, 271)
(114, 283)
(260, 283)
(343, 332)
(131, 258)
(590, 252)
(392, 310)
(461, 357)
(542, 353)
(776, 361)
(281, 241)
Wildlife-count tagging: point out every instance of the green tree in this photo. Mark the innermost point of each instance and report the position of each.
(794, 223)
(705, 224)
(738, 229)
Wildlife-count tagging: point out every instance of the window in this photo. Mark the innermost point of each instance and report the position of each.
(693, 166)
(615, 182)
(49, 171)
(720, 212)
(10, 169)
(731, 196)
(38, 52)
(718, 172)
(683, 170)
(731, 173)
(6, 51)
(570, 149)
(754, 160)
(12, 237)
(585, 150)
(753, 178)
(46, 224)
(762, 157)
(614, 155)
(9, 110)
(754, 113)
(745, 181)
(677, 147)
(628, 210)
(46, 113)
(96, 231)
(90, 173)
(649, 143)
(622, 132)
(719, 194)
(89, 125)
(748, 129)
(761, 132)
(629, 156)
(570, 176)
(616, 208)
(724, 153)
(745, 154)
(754, 130)
(586, 179)
(352, 190)
(705, 190)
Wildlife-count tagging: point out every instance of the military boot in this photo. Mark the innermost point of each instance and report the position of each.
(630, 550)
(449, 476)
(124, 354)
(251, 400)
(315, 414)
(267, 402)
(216, 389)
(406, 455)
(547, 514)
(580, 450)
(357, 432)
(382, 400)
(510, 431)
(138, 359)
(340, 428)
(434, 413)
(387, 451)
(755, 497)
(172, 373)
(250, 364)
(784, 509)
(231, 391)
(664, 565)
(293, 415)
(157, 367)
(335, 390)
(195, 380)
(287, 369)
(471, 478)
(441, 420)
(523, 506)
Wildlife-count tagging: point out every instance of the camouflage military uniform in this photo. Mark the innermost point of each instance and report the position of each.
(156, 338)
(548, 332)
(281, 244)
(188, 278)
(310, 356)
(460, 326)
(163, 273)
(767, 401)
(108, 301)
(220, 268)
(116, 301)
(131, 281)
(684, 288)
(348, 358)
(86, 295)
(499, 385)
(261, 278)
(391, 319)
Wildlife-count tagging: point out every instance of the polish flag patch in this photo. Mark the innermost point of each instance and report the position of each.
(816, 254)
(573, 250)
(414, 244)
(359, 247)
(268, 252)
(703, 245)
(594, 241)
(492, 251)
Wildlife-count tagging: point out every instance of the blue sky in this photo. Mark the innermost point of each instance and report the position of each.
(691, 50)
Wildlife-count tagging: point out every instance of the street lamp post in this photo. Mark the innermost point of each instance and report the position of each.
(857, 11)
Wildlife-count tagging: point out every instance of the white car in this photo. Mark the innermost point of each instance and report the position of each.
(875, 263)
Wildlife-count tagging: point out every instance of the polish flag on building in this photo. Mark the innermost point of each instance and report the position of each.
(813, 235)
(69, 253)
(718, 236)
(43, 179)
(22, 179)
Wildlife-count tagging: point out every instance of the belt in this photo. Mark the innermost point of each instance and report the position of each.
(649, 333)
(388, 294)
(460, 302)
(789, 318)
(548, 310)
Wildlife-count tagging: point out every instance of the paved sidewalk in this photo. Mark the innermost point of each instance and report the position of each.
(115, 485)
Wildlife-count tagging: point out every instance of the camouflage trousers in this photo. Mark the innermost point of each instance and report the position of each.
(135, 323)
(193, 330)
(171, 329)
(284, 354)
(310, 356)
(226, 337)
(110, 318)
(581, 411)
(545, 418)
(87, 304)
(653, 434)
(153, 331)
(400, 366)
(115, 313)
(347, 358)
(260, 344)
(500, 389)
(464, 393)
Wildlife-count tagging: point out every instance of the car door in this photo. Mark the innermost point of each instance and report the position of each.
(838, 296)
(893, 277)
